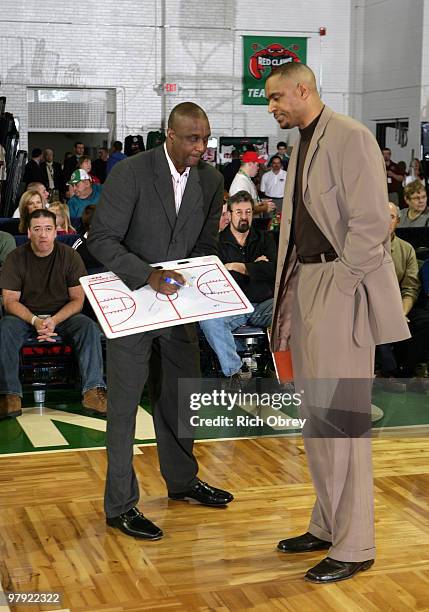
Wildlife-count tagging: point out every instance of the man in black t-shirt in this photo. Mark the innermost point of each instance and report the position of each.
(42, 297)
(250, 255)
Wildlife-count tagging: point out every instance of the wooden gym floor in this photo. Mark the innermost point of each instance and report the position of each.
(53, 536)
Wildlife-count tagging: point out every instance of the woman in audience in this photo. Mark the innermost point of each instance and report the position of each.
(417, 213)
(30, 200)
(86, 164)
(62, 214)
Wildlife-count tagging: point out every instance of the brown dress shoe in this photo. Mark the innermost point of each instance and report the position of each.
(95, 401)
(10, 406)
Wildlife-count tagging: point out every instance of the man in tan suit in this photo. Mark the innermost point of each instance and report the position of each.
(335, 281)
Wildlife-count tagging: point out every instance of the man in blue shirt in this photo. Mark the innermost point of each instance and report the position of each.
(115, 156)
(85, 192)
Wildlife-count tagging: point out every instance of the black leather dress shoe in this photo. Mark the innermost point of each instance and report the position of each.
(133, 523)
(303, 543)
(331, 570)
(204, 494)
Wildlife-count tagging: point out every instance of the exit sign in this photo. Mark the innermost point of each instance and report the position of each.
(171, 88)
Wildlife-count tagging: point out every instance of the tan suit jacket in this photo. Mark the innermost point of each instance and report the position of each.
(344, 190)
(331, 315)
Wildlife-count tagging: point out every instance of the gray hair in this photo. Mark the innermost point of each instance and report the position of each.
(396, 208)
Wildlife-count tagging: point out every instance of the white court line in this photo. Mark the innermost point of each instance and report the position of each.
(39, 425)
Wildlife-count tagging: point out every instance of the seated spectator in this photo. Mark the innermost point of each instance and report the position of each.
(29, 201)
(417, 213)
(243, 182)
(85, 192)
(115, 156)
(401, 359)
(81, 242)
(42, 297)
(86, 164)
(41, 189)
(250, 255)
(62, 215)
(7, 244)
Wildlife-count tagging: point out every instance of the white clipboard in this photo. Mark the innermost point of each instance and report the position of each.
(212, 293)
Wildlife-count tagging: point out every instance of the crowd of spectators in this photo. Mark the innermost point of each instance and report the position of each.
(69, 187)
(42, 296)
(254, 188)
(407, 192)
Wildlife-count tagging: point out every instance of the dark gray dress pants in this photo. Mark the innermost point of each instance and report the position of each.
(160, 357)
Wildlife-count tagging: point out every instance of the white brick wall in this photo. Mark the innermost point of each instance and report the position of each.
(392, 61)
(110, 44)
(296, 18)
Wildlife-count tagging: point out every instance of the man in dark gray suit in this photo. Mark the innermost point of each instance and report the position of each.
(160, 205)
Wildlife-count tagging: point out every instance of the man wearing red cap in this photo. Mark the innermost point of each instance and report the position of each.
(250, 161)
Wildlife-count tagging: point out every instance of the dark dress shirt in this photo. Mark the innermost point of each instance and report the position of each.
(308, 238)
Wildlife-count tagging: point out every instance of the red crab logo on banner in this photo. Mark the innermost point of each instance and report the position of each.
(271, 57)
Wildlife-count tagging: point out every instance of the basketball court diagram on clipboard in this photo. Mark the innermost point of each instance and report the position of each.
(211, 293)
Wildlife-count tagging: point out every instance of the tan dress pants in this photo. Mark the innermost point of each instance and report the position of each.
(324, 352)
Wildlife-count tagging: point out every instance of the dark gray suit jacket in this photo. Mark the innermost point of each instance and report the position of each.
(135, 223)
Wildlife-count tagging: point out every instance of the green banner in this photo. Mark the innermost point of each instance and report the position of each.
(261, 55)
